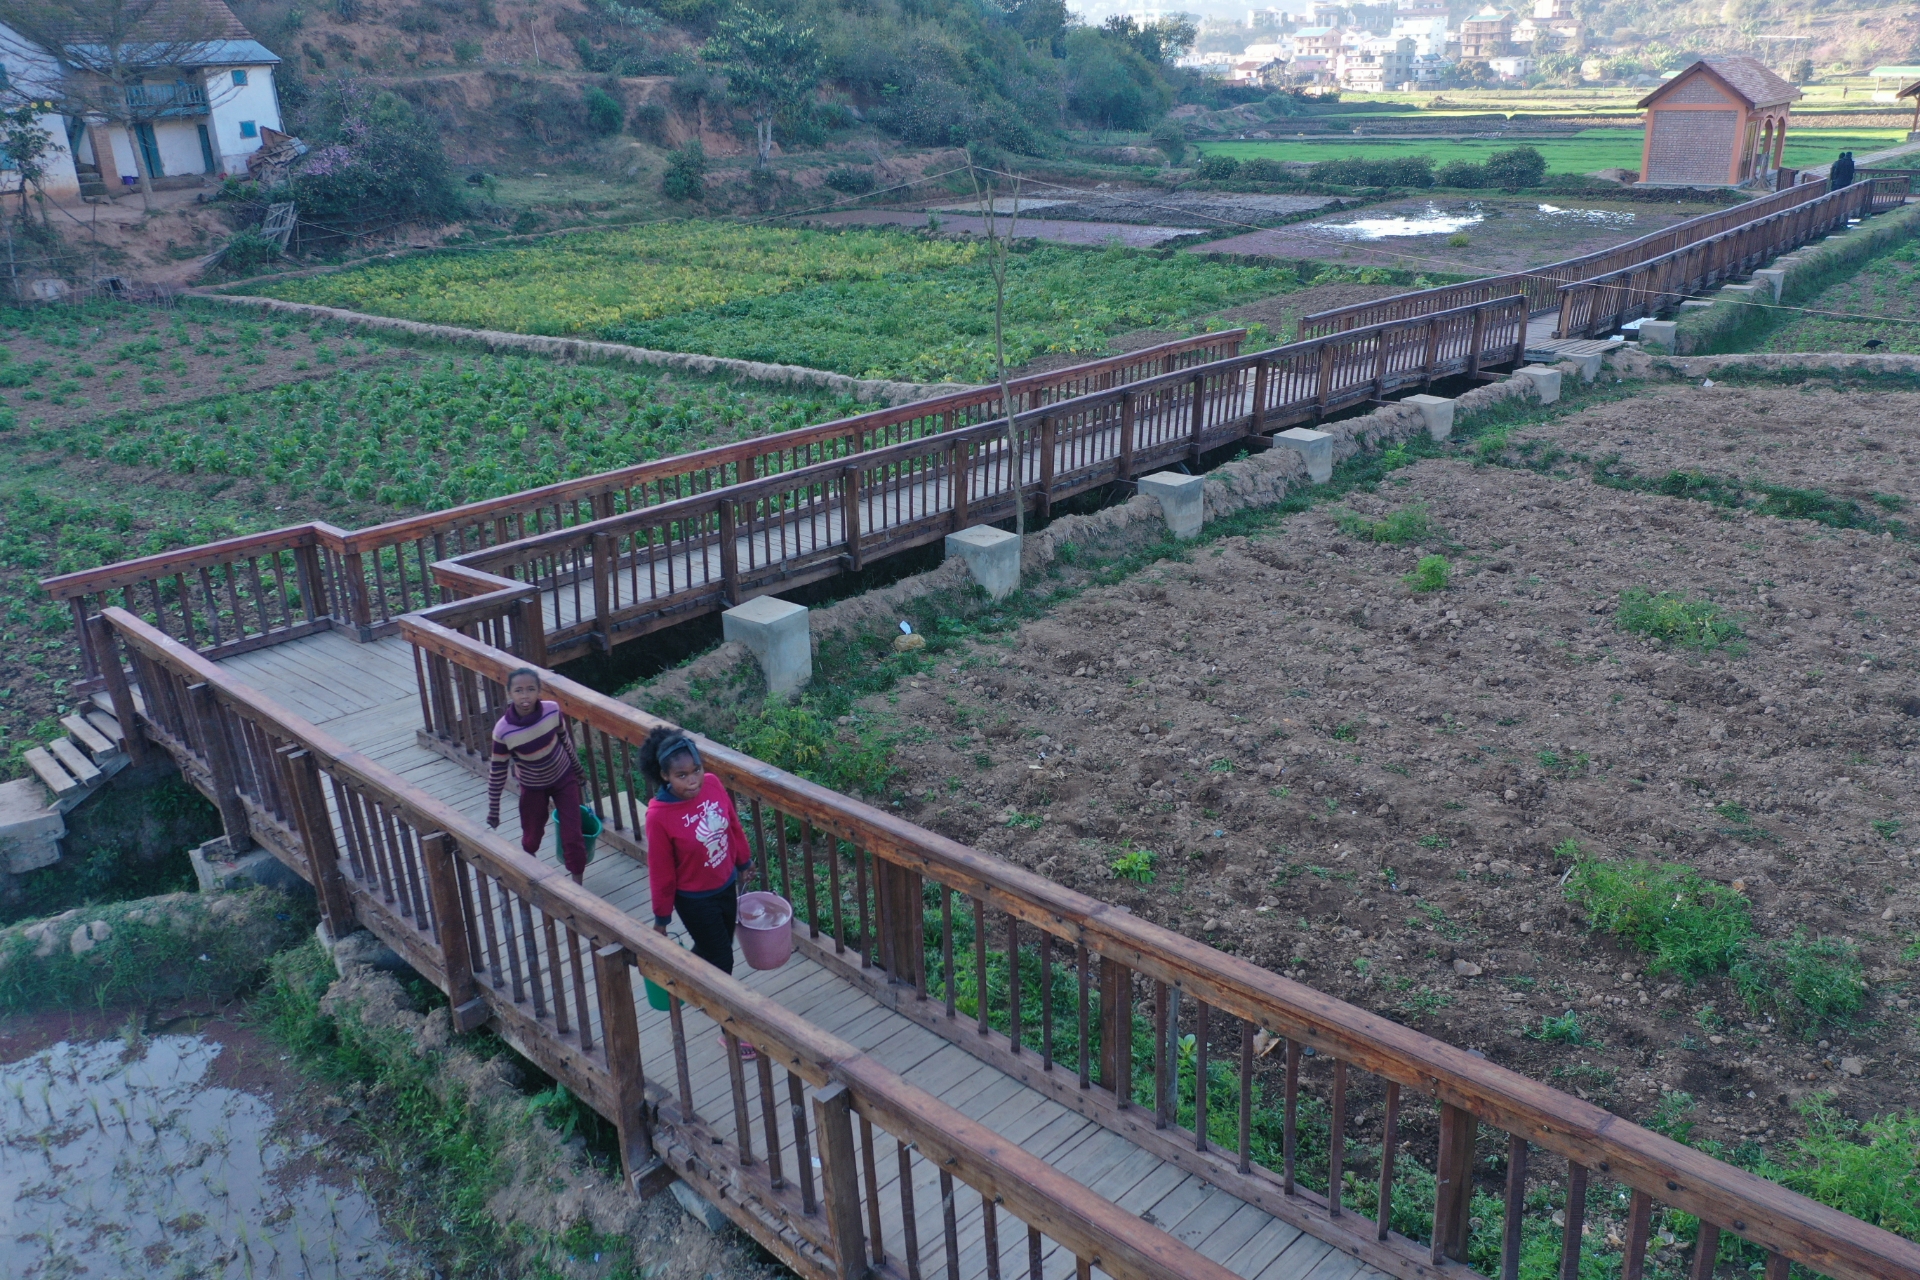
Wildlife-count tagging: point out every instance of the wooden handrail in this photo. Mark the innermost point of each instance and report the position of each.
(1791, 1225)
(164, 564)
(1540, 283)
(1092, 1227)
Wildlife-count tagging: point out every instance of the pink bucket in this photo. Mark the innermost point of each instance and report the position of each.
(765, 929)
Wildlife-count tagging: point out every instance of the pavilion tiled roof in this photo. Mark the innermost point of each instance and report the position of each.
(1746, 76)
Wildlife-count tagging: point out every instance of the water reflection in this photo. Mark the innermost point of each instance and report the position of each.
(125, 1161)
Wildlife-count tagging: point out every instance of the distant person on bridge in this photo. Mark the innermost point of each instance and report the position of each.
(695, 845)
(532, 738)
(1841, 174)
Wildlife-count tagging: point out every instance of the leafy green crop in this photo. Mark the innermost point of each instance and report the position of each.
(1675, 619)
(1689, 925)
(1134, 864)
(1432, 573)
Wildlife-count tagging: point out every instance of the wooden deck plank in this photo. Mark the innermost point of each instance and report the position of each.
(1265, 1244)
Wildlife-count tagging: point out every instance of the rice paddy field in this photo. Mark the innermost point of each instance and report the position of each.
(870, 302)
(1582, 152)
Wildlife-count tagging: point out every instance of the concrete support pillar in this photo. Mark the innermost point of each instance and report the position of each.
(1182, 501)
(1588, 366)
(992, 556)
(1657, 335)
(1437, 413)
(780, 638)
(1545, 381)
(1774, 278)
(1314, 447)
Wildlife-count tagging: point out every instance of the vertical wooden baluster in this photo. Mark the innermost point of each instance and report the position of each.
(980, 960)
(909, 1224)
(770, 1118)
(680, 1057)
(1246, 1096)
(495, 976)
(742, 1118)
(1633, 1265)
(802, 1149)
(1453, 1197)
(786, 858)
(990, 1234)
(946, 944)
(806, 869)
(950, 1219)
(1162, 1092)
(1290, 1132)
(1200, 1075)
(833, 891)
(620, 1033)
(450, 930)
(863, 916)
(1082, 1268)
(832, 1117)
(1046, 1001)
(1778, 1266)
(1034, 1248)
(1706, 1251)
(1389, 1136)
(1337, 1138)
(1013, 982)
(574, 942)
(532, 938)
(876, 1241)
(1083, 969)
(760, 846)
(1576, 1216)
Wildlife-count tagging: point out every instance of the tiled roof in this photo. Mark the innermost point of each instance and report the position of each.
(1746, 76)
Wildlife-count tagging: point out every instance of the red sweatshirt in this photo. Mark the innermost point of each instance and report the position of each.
(693, 845)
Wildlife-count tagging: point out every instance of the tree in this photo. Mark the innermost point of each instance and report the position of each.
(107, 49)
(771, 68)
(372, 156)
(999, 246)
(26, 144)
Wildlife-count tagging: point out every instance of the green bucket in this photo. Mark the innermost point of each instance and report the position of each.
(657, 997)
(590, 828)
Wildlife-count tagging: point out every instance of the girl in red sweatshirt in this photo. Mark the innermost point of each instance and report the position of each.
(695, 845)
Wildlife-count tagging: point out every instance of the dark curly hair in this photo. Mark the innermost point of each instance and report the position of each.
(653, 766)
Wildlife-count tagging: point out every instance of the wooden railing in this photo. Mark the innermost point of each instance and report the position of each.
(514, 943)
(608, 581)
(1891, 187)
(1541, 284)
(1160, 1038)
(1604, 302)
(241, 593)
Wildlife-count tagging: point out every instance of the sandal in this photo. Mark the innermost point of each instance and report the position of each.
(747, 1053)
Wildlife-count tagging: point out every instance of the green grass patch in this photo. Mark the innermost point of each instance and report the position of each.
(1673, 618)
(1687, 925)
(1806, 983)
(1409, 524)
(1134, 864)
(1559, 1028)
(1869, 1169)
(1431, 573)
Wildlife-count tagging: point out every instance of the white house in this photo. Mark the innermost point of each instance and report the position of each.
(25, 73)
(204, 112)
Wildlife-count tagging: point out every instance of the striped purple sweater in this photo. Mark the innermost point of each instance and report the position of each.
(541, 753)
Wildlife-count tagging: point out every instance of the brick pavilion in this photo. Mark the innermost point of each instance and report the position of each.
(1722, 122)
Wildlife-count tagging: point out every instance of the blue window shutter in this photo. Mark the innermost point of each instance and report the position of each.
(239, 78)
(248, 129)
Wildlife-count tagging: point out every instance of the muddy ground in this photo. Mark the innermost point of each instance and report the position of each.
(1367, 787)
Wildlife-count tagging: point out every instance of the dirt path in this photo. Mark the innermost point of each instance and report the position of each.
(1366, 787)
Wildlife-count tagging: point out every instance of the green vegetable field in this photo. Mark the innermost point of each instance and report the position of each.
(409, 430)
(1583, 152)
(874, 303)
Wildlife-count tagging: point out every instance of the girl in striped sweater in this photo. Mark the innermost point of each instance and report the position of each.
(532, 738)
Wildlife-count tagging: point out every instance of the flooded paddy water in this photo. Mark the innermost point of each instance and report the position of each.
(173, 1154)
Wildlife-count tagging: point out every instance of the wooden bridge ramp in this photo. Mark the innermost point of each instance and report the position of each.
(367, 696)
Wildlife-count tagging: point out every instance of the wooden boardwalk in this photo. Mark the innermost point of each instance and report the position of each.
(366, 695)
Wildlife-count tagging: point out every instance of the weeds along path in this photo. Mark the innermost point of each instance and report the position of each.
(1280, 746)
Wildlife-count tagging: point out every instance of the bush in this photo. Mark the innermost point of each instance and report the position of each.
(686, 176)
(466, 52)
(1675, 619)
(1689, 926)
(1216, 168)
(1262, 169)
(1805, 984)
(1356, 171)
(1171, 138)
(248, 252)
(649, 123)
(855, 182)
(372, 157)
(605, 115)
(1516, 167)
(1460, 173)
(1432, 573)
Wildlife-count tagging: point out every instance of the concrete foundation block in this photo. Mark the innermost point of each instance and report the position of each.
(778, 635)
(1546, 381)
(1774, 278)
(1437, 413)
(1739, 292)
(360, 948)
(699, 1208)
(1315, 447)
(992, 556)
(1182, 501)
(30, 828)
(1696, 304)
(218, 868)
(1587, 366)
(1657, 335)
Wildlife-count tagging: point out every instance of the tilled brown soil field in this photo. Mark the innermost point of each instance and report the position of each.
(1373, 789)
